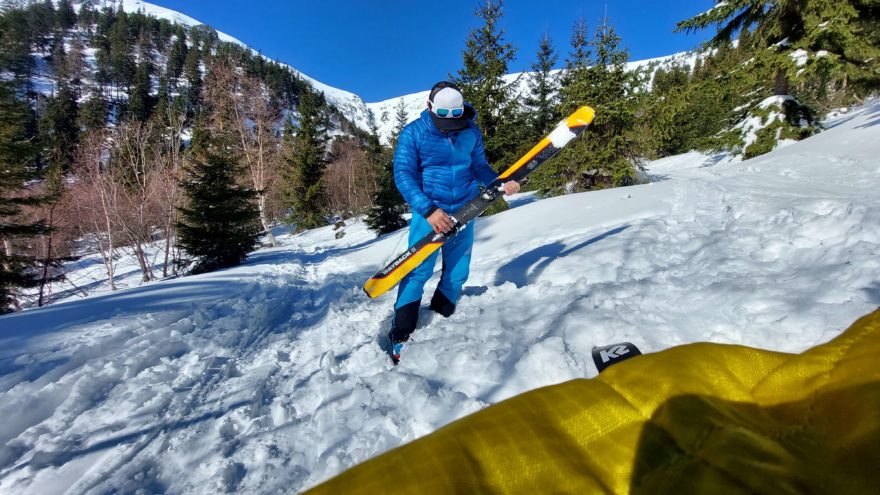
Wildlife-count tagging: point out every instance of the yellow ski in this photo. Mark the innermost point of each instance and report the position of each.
(568, 129)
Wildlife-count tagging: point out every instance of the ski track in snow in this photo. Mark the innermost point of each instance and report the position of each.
(271, 376)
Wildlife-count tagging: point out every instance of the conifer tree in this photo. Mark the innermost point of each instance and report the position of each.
(66, 16)
(219, 226)
(386, 216)
(59, 129)
(76, 65)
(122, 63)
(543, 88)
(177, 54)
(15, 46)
(835, 34)
(15, 157)
(58, 61)
(41, 22)
(193, 73)
(609, 154)
(140, 102)
(667, 112)
(163, 96)
(485, 63)
(615, 93)
(579, 57)
(93, 113)
(304, 155)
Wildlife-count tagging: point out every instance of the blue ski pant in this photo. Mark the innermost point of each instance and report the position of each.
(456, 254)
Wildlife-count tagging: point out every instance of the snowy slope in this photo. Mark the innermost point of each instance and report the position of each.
(158, 12)
(270, 376)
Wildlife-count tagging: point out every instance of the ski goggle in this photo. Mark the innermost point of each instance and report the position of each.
(447, 113)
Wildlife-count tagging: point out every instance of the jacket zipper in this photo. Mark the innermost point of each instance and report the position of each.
(452, 165)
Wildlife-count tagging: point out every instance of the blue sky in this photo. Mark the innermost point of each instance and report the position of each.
(381, 49)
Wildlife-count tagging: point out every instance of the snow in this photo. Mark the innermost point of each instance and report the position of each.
(800, 57)
(775, 101)
(271, 376)
(718, 5)
(752, 124)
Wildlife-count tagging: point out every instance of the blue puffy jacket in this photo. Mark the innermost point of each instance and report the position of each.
(433, 169)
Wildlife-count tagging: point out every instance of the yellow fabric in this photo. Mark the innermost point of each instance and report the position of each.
(699, 418)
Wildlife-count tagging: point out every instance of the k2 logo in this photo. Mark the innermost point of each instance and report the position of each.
(615, 353)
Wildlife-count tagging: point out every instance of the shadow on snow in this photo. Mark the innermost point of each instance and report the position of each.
(527, 268)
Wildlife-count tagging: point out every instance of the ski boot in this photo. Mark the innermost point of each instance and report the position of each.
(405, 320)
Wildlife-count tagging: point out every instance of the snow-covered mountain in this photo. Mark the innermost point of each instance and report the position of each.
(271, 376)
(351, 105)
(385, 111)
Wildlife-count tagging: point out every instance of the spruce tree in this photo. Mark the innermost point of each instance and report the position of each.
(615, 92)
(838, 38)
(578, 59)
(386, 216)
(609, 155)
(16, 152)
(41, 22)
(193, 73)
(15, 46)
(485, 64)
(93, 113)
(76, 65)
(59, 129)
(66, 16)
(122, 62)
(176, 56)
(543, 88)
(667, 112)
(140, 102)
(220, 224)
(163, 97)
(305, 159)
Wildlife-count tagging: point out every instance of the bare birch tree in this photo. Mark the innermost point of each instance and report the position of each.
(171, 164)
(351, 180)
(97, 199)
(135, 159)
(246, 105)
(256, 115)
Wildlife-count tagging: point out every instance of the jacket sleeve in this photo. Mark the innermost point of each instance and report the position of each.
(407, 176)
(479, 164)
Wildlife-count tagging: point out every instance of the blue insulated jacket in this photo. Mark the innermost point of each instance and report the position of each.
(433, 169)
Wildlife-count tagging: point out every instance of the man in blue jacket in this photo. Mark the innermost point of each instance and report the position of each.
(438, 164)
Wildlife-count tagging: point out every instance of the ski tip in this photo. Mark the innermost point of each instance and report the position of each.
(367, 291)
(581, 117)
(374, 288)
